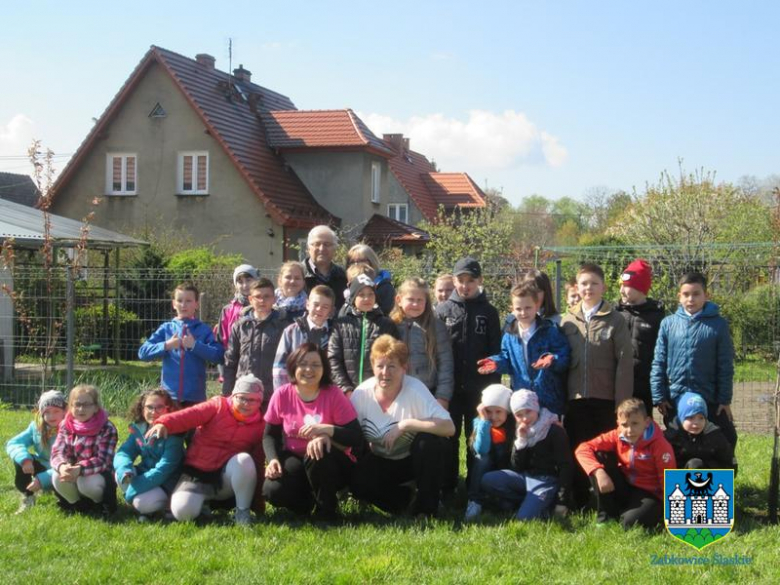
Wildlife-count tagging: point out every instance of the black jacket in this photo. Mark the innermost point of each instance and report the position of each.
(252, 350)
(344, 347)
(643, 322)
(551, 457)
(711, 446)
(336, 280)
(475, 329)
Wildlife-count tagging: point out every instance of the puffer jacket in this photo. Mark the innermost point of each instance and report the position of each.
(694, 354)
(344, 346)
(711, 446)
(551, 457)
(548, 383)
(475, 331)
(602, 363)
(385, 291)
(438, 377)
(336, 280)
(159, 465)
(642, 463)
(644, 322)
(219, 434)
(252, 350)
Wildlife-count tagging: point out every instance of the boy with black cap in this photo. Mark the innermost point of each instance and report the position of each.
(354, 332)
(475, 330)
(643, 317)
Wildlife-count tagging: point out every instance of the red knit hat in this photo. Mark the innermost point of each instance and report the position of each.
(638, 275)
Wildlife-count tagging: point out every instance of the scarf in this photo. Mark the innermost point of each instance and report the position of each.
(538, 431)
(88, 428)
(296, 303)
(247, 420)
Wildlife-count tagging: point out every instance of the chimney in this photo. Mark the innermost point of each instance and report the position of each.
(206, 60)
(397, 142)
(242, 74)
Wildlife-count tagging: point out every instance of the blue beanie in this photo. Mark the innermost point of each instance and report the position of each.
(689, 405)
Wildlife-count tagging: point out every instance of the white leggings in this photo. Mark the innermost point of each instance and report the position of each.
(155, 500)
(239, 479)
(90, 486)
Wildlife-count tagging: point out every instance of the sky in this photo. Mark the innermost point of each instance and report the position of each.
(552, 98)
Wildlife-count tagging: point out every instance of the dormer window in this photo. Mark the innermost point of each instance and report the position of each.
(121, 173)
(193, 173)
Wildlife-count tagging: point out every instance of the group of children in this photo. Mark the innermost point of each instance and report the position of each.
(542, 446)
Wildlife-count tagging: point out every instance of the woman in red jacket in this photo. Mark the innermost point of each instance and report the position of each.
(225, 453)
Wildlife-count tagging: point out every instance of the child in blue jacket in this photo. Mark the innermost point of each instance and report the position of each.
(148, 484)
(534, 351)
(31, 448)
(185, 345)
(694, 353)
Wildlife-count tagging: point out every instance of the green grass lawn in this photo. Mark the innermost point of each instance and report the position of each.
(44, 545)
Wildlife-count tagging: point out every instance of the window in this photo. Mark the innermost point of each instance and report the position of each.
(193, 173)
(121, 176)
(398, 212)
(376, 181)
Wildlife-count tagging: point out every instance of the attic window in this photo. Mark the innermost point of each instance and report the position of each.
(158, 111)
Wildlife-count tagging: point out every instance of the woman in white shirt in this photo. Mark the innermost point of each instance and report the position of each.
(406, 430)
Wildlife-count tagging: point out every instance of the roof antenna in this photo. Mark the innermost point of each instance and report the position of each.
(230, 66)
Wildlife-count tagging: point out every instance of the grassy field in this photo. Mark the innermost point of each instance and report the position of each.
(44, 545)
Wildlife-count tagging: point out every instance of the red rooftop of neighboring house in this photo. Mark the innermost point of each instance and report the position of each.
(381, 231)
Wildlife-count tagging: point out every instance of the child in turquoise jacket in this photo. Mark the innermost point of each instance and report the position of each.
(148, 484)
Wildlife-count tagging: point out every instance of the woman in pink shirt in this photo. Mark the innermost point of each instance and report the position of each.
(311, 429)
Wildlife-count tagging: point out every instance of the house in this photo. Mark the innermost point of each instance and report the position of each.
(18, 189)
(184, 145)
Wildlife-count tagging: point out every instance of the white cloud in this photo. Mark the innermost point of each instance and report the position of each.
(15, 138)
(486, 140)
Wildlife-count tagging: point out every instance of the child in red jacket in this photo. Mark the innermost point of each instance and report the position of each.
(626, 467)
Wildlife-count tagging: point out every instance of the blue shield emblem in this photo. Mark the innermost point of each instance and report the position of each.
(699, 505)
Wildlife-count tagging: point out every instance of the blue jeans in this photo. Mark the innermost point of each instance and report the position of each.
(480, 465)
(535, 495)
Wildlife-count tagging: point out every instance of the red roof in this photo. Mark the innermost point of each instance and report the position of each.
(382, 231)
(232, 121)
(339, 129)
(429, 188)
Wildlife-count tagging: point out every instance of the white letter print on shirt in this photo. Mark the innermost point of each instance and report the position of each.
(480, 325)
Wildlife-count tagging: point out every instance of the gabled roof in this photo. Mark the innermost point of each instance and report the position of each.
(19, 189)
(454, 190)
(233, 122)
(382, 231)
(429, 188)
(25, 225)
(327, 129)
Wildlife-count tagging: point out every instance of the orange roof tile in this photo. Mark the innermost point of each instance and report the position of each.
(342, 129)
(454, 189)
(409, 168)
(233, 122)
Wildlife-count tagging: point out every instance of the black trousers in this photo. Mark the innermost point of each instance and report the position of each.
(628, 503)
(463, 409)
(306, 482)
(722, 420)
(585, 419)
(380, 481)
(22, 479)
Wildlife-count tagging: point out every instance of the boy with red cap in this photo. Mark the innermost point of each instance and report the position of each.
(643, 316)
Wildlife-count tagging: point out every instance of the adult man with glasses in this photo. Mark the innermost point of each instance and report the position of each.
(320, 268)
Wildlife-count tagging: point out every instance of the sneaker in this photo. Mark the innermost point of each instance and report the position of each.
(142, 519)
(27, 503)
(242, 517)
(473, 510)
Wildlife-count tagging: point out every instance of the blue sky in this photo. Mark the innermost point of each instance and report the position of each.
(554, 98)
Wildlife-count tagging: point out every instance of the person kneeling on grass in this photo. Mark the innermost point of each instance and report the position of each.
(225, 453)
(311, 429)
(148, 484)
(541, 466)
(406, 430)
(83, 454)
(626, 467)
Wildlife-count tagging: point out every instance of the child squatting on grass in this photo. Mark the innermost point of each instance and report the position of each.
(30, 449)
(83, 454)
(147, 485)
(626, 467)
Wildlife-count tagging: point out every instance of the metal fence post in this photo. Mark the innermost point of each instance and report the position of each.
(116, 306)
(558, 283)
(70, 333)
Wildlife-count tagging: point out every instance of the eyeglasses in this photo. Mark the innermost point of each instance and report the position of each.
(310, 365)
(83, 404)
(153, 408)
(244, 400)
